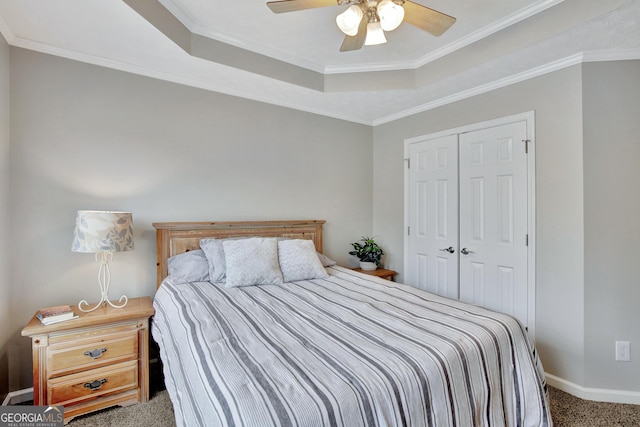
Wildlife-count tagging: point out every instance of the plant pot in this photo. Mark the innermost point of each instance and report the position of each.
(368, 265)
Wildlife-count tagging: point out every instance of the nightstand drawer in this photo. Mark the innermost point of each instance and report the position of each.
(81, 353)
(72, 389)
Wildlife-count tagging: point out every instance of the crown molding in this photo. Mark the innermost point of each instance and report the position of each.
(495, 27)
(583, 57)
(197, 28)
(487, 87)
(579, 58)
(512, 19)
(170, 77)
(206, 44)
(616, 55)
(478, 35)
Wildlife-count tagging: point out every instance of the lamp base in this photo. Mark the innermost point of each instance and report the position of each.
(103, 302)
(104, 281)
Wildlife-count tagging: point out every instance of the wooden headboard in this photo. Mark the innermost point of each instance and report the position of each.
(173, 238)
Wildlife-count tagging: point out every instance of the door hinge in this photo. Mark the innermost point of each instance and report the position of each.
(526, 145)
(408, 231)
(408, 163)
(526, 240)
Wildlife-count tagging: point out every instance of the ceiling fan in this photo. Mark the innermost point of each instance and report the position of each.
(365, 21)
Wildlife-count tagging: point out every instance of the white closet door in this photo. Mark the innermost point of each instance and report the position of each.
(468, 191)
(493, 219)
(433, 223)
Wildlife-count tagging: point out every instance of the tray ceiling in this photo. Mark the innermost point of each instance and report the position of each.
(241, 48)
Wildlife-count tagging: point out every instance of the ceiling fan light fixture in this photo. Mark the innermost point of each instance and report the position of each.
(391, 15)
(375, 35)
(380, 15)
(349, 20)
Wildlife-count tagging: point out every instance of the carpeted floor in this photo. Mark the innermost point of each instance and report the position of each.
(569, 411)
(157, 412)
(566, 410)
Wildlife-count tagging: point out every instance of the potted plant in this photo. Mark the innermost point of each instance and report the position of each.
(368, 252)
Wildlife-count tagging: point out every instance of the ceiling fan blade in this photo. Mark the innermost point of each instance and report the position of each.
(282, 6)
(355, 42)
(429, 20)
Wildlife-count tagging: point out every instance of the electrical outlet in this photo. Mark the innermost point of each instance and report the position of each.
(623, 351)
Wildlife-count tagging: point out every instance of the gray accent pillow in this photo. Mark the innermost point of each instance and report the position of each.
(189, 266)
(214, 252)
(252, 261)
(299, 260)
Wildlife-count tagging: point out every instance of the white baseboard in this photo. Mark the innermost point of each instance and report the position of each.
(596, 394)
(18, 396)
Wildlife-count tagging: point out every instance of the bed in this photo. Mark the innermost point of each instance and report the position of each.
(329, 346)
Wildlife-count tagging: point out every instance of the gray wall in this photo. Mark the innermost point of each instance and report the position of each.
(85, 137)
(612, 221)
(5, 288)
(556, 99)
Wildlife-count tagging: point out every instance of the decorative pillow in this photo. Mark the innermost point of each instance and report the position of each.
(252, 261)
(189, 266)
(325, 260)
(299, 260)
(214, 252)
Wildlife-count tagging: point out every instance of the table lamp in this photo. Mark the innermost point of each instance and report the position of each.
(103, 233)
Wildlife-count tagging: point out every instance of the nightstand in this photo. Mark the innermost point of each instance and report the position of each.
(97, 360)
(379, 272)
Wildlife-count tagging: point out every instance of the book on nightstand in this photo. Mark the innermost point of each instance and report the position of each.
(59, 313)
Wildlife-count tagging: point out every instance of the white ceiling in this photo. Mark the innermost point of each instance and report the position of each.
(293, 59)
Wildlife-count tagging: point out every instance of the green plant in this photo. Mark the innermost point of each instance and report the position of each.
(367, 250)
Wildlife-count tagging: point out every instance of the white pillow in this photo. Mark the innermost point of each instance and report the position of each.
(299, 260)
(214, 252)
(252, 261)
(189, 266)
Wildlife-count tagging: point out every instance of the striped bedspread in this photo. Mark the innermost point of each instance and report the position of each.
(350, 350)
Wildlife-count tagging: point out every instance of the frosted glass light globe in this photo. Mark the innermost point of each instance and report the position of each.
(375, 35)
(349, 20)
(391, 15)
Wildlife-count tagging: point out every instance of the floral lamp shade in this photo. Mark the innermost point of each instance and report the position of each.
(103, 231)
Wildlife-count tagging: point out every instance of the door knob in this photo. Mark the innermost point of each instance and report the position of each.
(465, 251)
(449, 249)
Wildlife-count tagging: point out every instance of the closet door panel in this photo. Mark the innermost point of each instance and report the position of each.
(433, 225)
(493, 219)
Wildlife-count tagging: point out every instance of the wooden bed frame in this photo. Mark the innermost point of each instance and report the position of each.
(173, 238)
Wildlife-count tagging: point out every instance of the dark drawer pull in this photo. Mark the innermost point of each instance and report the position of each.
(94, 354)
(95, 385)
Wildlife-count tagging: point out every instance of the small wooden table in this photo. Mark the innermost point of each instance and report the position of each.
(379, 272)
(97, 360)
